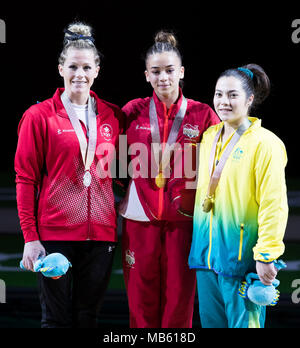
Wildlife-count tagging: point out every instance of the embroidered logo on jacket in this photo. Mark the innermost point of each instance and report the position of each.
(238, 154)
(106, 131)
(142, 127)
(190, 131)
(61, 131)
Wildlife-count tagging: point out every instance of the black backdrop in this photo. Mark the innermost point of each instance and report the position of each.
(212, 37)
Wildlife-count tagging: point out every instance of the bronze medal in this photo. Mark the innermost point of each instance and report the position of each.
(208, 204)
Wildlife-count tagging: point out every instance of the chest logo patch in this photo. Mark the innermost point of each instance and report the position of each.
(238, 154)
(106, 131)
(191, 131)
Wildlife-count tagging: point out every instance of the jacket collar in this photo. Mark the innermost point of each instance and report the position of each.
(162, 109)
(256, 122)
(59, 107)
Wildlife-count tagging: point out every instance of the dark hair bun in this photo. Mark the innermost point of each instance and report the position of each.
(166, 37)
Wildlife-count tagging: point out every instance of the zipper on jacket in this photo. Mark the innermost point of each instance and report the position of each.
(241, 242)
(210, 239)
(165, 138)
(89, 190)
(88, 212)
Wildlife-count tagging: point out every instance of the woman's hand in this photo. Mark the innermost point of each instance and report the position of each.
(32, 251)
(266, 272)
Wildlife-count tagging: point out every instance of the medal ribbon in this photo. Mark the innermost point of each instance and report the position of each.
(215, 174)
(155, 134)
(87, 149)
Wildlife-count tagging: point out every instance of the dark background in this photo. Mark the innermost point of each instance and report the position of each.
(212, 38)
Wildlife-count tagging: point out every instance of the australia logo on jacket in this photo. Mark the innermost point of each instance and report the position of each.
(191, 131)
(106, 131)
(238, 154)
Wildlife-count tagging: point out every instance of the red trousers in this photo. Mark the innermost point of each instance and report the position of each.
(160, 286)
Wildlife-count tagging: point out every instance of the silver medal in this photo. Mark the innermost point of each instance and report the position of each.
(87, 149)
(87, 179)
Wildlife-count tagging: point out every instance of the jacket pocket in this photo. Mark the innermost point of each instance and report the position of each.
(241, 242)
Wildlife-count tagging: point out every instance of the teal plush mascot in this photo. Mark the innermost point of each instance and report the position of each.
(53, 265)
(258, 293)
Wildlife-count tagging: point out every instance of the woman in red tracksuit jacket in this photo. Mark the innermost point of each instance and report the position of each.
(158, 207)
(65, 203)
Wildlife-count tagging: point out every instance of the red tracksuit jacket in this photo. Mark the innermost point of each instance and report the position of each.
(53, 203)
(159, 204)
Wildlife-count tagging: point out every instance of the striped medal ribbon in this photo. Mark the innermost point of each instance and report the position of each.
(215, 174)
(87, 149)
(165, 152)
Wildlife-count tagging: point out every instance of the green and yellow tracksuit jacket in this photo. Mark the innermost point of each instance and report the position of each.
(250, 211)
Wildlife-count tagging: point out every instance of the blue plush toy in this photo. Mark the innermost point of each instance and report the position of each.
(53, 265)
(258, 293)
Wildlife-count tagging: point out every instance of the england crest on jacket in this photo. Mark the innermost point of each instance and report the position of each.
(190, 131)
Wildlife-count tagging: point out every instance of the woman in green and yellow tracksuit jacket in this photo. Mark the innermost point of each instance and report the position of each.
(244, 229)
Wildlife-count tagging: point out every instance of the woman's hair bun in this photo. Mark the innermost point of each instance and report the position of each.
(165, 41)
(166, 37)
(78, 35)
(80, 29)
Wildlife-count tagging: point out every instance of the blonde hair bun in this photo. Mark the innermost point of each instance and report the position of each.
(80, 29)
(78, 35)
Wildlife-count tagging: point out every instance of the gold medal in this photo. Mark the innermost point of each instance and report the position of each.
(160, 180)
(208, 204)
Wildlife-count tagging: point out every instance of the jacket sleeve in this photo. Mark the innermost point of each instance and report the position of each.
(123, 178)
(29, 160)
(271, 195)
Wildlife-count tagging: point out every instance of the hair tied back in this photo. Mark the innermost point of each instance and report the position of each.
(247, 72)
(166, 37)
(74, 36)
